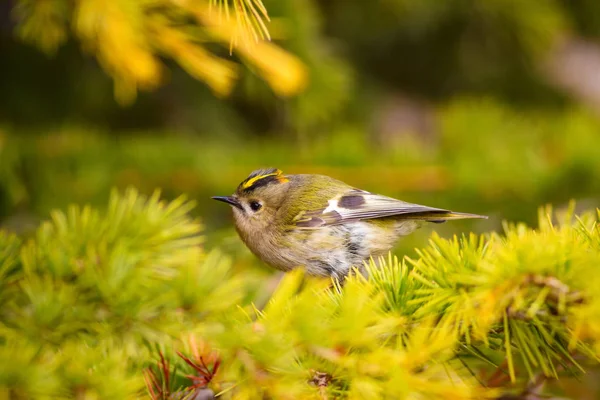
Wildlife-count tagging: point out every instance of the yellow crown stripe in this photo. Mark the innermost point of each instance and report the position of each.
(253, 180)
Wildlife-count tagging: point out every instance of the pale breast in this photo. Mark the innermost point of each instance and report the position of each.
(333, 250)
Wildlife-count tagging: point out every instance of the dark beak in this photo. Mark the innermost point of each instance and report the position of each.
(229, 200)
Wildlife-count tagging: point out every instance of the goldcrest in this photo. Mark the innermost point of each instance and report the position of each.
(320, 223)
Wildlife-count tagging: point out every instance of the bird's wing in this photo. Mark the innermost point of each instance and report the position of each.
(357, 205)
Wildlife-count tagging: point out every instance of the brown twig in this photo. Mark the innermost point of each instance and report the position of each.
(159, 388)
(321, 380)
(206, 374)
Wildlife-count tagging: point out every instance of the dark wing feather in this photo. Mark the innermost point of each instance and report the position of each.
(358, 205)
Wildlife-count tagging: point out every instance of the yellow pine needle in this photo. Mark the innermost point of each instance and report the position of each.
(507, 346)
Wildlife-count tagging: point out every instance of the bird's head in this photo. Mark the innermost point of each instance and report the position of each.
(257, 199)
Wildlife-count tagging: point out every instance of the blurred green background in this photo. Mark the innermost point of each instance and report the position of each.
(490, 107)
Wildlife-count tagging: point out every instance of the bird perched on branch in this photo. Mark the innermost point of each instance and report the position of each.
(320, 223)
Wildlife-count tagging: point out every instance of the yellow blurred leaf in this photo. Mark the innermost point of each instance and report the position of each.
(114, 31)
(284, 72)
(218, 73)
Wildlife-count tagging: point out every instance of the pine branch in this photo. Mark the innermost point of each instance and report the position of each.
(127, 38)
(95, 293)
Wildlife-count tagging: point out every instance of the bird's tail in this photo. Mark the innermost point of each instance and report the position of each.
(441, 216)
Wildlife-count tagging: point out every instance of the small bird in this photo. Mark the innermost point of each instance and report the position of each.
(321, 223)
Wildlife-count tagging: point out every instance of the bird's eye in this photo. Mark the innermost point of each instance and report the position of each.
(255, 205)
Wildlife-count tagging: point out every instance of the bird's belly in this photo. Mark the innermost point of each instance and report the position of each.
(333, 250)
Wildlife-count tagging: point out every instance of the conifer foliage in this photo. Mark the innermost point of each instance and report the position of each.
(128, 38)
(126, 304)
